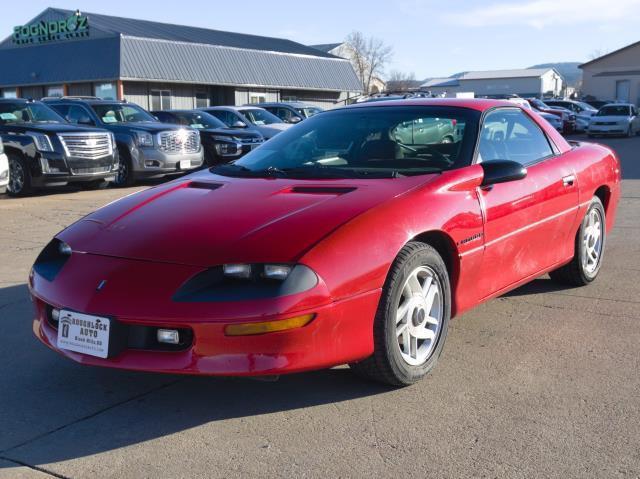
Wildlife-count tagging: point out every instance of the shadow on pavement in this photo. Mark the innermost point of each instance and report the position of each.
(58, 410)
(538, 286)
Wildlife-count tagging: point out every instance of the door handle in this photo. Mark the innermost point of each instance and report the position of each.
(569, 180)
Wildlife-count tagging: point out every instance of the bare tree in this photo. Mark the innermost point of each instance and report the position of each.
(368, 56)
(597, 54)
(400, 81)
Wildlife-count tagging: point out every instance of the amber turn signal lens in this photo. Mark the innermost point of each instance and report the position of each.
(246, 329)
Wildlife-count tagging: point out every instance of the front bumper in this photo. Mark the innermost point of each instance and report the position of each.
(55, 169)
(616, 129)
(341, 332)
(152, 162)
(4, 173)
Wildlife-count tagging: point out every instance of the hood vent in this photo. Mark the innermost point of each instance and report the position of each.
(204, 185)
(323, 190)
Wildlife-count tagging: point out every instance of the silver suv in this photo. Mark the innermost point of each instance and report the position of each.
(148, 148)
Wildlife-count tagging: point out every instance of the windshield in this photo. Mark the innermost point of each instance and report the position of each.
(122, 113)
(539, 103)
(308, 112)
(199, 120)
(585, 106)
(23, 112)
(366, 142)
(614, 110)
(258, 116)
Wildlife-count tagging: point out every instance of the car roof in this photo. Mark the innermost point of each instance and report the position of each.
(618, 104)
(479, 104)
(283, 103)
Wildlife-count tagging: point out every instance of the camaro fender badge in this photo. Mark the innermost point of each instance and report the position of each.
(101, 285)
(475, 237)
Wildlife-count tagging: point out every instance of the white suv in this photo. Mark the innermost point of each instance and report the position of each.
(4, 170)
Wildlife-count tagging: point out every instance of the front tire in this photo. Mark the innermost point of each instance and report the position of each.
(589, 249)
(125, 176)
(411, 323)
(19, 177)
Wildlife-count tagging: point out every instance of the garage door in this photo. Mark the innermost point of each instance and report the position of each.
(622, 91)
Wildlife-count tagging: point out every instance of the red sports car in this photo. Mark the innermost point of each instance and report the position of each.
(352, 238)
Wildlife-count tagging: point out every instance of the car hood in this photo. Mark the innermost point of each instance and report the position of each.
(148, 127)
(205, 219)
(229, 132)
(50, 128)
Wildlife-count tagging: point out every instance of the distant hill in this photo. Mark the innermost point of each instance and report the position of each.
(569, 70)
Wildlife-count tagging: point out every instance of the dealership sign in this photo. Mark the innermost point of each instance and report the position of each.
(76, 26)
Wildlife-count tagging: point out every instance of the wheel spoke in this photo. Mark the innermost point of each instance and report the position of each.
(406, 340)
(431, 296)
(425, 333)
(413, 341)
(426, 286)
(414, 283)
(403, 310)
(401, 329)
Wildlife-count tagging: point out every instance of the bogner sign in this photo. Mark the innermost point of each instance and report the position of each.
(76, 26)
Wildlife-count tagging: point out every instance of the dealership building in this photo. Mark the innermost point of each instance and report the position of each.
(164, 66)
(527, 82)
(614, 76)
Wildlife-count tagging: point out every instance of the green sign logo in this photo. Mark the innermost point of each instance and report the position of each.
(76, 26)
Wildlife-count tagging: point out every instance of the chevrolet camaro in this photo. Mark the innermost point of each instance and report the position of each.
(351, 238)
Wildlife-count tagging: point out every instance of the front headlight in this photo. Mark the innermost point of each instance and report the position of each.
(278, 272)
(144, 139)
(242, 281)
(1, 147)
(113, 141)
(42, 142)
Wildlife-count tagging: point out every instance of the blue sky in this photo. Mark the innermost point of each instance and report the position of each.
(429, 37)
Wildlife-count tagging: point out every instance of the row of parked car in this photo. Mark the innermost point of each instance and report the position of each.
(570, 116)
(94, 142)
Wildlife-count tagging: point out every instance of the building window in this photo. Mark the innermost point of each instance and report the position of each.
(55, 91)
(202, 99)
(257, 97)
(160, 100)
(106, 91)
(10, 93)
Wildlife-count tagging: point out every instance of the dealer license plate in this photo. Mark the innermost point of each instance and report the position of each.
(185, 164)
(84, 333)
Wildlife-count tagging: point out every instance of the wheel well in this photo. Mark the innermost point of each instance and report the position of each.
(604, 194)
(446, 248)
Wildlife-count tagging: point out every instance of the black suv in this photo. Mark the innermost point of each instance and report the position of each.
(290, 111)
(148, 148)
(221, 143)
(44, 150)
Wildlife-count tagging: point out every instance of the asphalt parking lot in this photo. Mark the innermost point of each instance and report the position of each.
(542, 382)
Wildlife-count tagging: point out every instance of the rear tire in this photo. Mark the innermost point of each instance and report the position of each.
(410, 326)
(590, 242)
(19, 177)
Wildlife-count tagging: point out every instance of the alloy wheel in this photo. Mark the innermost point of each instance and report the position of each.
(419, 315)
(123, 173)
(592, 241)
(16, 177)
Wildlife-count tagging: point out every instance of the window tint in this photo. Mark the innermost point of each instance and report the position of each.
(78, 115)
(511, 135)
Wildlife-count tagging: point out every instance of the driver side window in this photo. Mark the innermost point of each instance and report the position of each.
(509, 134)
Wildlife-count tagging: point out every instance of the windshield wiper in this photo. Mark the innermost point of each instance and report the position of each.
(323, 171)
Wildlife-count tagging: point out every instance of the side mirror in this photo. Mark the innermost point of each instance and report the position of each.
(502, 171)
(239, 124)
(294, 119)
